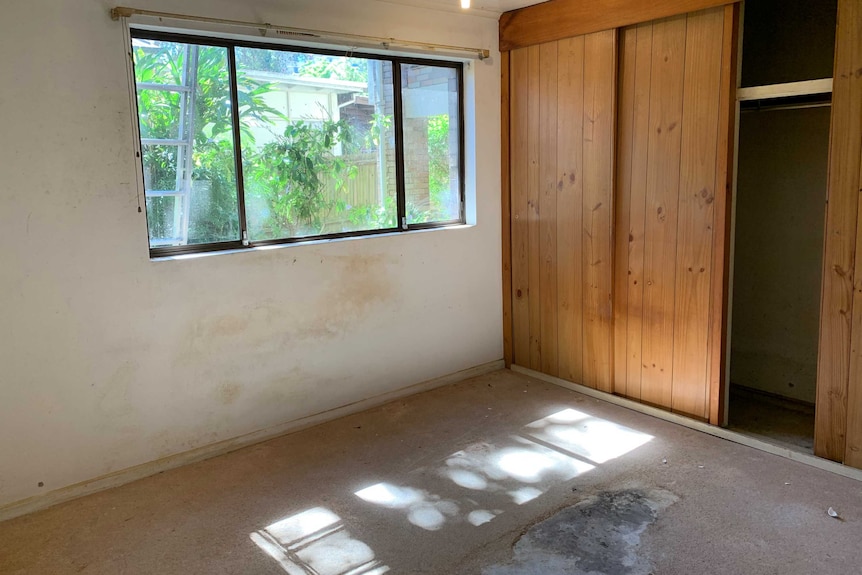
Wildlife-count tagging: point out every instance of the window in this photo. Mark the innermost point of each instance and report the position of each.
(249, 144)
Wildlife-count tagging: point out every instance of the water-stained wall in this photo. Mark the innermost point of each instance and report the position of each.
(111, 360)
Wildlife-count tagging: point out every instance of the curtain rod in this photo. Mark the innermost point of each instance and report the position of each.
(304, 34)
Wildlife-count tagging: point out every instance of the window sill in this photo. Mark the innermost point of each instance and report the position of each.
(315, 242)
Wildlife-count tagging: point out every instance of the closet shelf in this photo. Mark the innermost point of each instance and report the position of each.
(790, 89)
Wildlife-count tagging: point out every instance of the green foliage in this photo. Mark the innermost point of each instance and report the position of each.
(214, 215)
(336, 68)
(375, 217)
(295, 184)
(380, 126)
(292, 175)
(386, 216)
(438, 167)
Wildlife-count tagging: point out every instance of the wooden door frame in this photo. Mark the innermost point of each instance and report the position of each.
(506, 207)
(838, 410)
(725, 209)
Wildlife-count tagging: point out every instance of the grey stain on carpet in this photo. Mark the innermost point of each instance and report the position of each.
(600, 535)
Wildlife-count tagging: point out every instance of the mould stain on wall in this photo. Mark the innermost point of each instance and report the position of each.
(362, 284)
(227, 393)
(359, 286)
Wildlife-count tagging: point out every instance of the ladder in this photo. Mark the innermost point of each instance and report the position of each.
(184, 144)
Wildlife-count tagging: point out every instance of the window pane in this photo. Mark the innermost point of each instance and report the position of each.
(318, 143)
(431, 143)
(159, 62)
(187, 142)
(161, 172)
(164, 219)
(159, 114)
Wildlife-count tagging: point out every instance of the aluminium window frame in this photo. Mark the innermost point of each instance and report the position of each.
(244, 242)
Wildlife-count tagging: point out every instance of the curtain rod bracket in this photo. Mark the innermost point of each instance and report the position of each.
(120, 12)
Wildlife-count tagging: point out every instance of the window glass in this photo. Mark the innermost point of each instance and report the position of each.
(431, 143)
(319, 158)
(244, 145)
(184, 108)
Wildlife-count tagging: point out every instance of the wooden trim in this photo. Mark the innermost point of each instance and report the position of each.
(723, 188)
(560, 19)
(850, 77)
(838, 315)
(506, 208)
(845, 183)
(519, 73)
(853, 444)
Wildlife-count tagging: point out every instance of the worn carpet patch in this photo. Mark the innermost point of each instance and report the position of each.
(599, 535)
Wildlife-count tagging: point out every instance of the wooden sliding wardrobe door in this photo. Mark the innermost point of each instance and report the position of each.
(671, 206)
(562, 98)
(616, 185)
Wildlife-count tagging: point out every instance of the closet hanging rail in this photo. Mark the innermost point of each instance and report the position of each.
(309, 35)
(780, 106)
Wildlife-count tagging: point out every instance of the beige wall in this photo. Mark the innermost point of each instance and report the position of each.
(110, 360)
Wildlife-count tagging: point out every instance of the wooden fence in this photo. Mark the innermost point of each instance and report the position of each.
(363, 190)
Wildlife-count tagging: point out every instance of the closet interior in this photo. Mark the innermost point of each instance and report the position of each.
(779, 216)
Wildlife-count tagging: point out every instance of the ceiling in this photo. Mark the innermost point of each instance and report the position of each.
(479, 7)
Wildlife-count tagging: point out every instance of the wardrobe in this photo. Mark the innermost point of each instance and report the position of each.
(619, 134)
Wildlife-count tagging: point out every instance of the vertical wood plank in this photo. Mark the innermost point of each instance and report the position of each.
(548, 206)
(520, 68)
(666, 94)
(696, 211)
(506, 208)
(723, 194)
(845, 180)
(570, 105)
(598, 166)
(622, 204)
(531, 133)
(636, 238)
(837, 309)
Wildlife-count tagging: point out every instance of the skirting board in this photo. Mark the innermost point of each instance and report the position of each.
(733, 436)
(130, 474)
